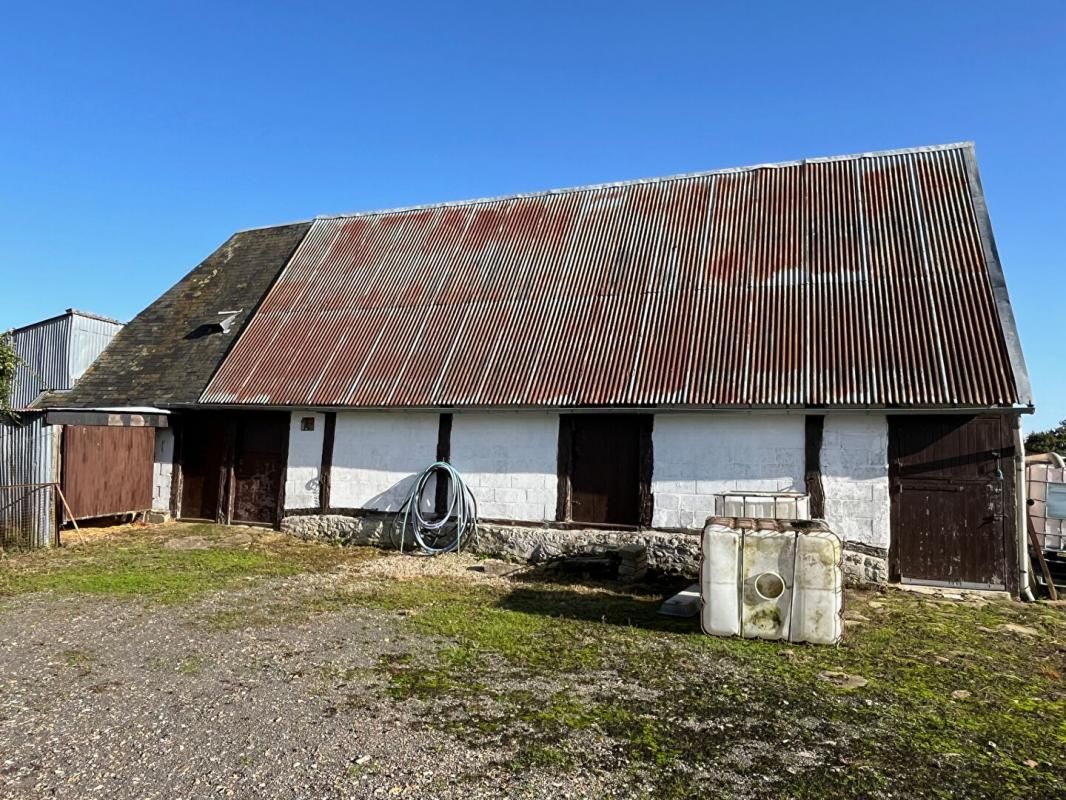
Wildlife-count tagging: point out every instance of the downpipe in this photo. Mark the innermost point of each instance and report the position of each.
(1021, 492)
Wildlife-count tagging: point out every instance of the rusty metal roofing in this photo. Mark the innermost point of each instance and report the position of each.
(867, 281)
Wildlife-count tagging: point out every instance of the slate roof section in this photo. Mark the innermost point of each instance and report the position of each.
(866, 281)
(153, 361)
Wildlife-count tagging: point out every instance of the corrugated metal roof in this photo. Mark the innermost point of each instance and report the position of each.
(856, 281)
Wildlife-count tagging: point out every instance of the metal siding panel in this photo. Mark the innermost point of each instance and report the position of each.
(88, 338)
(857, 281)
(27, 457)
(43, 350)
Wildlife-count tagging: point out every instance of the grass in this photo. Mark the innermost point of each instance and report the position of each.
(542, 668)
(721, 699)
(133, 563)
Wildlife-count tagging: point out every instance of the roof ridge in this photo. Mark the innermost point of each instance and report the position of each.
(644, 181)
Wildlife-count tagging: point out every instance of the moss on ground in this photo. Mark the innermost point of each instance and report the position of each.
(960, 699)
(715, 698)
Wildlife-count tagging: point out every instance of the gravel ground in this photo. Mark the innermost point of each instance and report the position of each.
(104, 698)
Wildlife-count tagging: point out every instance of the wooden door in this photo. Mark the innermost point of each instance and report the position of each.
(952, 492)
(259, 467)
(605, 468)
(107, 470)
(203, 453)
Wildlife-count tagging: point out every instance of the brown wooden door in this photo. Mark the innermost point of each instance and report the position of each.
(952, 494)
(259, 467)
(107, 470)
(203, 453)
(605, 468)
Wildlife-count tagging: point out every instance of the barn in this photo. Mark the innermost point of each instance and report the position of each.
(829, 338)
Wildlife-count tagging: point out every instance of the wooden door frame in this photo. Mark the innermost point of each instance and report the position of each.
(234, 423)
(645, 467)
(1005, 462)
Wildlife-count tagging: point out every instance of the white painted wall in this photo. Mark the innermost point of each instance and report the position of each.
(305, 461)
(162, 469)
(855, 477)
(697, 456)
(377, 456)
(510, 463)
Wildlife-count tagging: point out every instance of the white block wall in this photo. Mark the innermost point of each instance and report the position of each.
(697, 456)
(305, 461)
(377, 456)
(855, 478)
(162, 469)
(510, 462)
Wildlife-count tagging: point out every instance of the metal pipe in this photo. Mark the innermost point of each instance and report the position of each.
(1022, 512)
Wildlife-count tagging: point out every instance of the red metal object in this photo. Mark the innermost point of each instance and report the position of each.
(859, 281)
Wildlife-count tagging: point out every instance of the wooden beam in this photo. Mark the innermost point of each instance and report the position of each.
(444, 453)
(283, 421)
(224, 511)
(564, 460)
(177, 476)
(814, 425)
(1038, 549)
(325, 472)
(112, 419)
(647, 465)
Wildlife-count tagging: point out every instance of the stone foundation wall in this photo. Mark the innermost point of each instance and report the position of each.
(672, 553)
(864, 565)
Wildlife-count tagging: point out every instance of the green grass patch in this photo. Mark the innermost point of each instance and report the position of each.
(136, 563)
(718, 698)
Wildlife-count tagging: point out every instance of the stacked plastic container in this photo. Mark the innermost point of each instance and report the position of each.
(771, 579)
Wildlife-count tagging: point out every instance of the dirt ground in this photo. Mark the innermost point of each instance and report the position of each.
(188, 662)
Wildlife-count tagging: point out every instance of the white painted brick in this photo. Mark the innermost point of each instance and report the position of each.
(509, 461)
(855, 477)
(512, 496)
(377, 456)
(162, 469)
(527, 481)
(701, 455)
(305, 461)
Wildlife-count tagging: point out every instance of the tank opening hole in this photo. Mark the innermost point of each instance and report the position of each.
(769, 586)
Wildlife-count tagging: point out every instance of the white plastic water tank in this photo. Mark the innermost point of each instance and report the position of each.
(771, 579)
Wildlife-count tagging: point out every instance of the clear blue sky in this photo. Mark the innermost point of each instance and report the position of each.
(136, 137)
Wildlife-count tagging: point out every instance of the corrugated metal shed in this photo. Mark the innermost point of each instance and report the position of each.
(56, 351)
(865, 280)
(27, 456)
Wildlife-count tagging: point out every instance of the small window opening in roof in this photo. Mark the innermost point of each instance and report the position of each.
(307, 424)
(220, 323)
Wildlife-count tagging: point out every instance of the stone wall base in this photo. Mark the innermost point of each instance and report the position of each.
(864, 565)
(670, 553)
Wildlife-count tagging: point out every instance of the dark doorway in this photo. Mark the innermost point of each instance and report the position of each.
(233, 466)
(604, 467)
(203, 451)
(952, 485)
(258, 468)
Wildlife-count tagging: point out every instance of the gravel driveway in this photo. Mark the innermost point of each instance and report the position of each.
(104, 698)
(192, 661)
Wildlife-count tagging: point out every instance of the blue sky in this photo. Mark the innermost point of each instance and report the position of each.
(136, 137)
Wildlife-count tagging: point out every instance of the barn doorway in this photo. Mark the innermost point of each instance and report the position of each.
(606, 461)
(233, 467)
(952, 488)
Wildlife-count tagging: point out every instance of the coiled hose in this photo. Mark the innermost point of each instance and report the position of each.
(447, 532)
